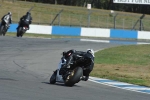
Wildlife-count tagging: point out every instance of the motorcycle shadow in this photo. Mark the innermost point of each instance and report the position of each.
(60, 84)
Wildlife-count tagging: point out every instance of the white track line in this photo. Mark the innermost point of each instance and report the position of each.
(130, 87)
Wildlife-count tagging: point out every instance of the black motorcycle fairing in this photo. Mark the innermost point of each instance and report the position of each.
(83, 62)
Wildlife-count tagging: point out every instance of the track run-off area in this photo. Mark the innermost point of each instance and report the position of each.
(26, 65)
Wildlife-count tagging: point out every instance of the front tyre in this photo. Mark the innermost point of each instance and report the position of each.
(53, 78)
(74, 77)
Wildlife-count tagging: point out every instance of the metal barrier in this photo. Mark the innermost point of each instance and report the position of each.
(73, 16)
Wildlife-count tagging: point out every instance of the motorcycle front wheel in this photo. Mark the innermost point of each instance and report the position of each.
(53, 78)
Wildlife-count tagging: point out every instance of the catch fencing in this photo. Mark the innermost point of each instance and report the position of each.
(44, 14)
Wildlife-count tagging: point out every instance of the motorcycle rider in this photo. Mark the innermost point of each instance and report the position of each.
(80, 57)
(25, 20)
(6, 19)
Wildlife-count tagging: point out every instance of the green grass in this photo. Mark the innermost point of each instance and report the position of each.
(135, 55)
(129, 64)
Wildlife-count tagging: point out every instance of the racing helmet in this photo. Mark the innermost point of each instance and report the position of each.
(91, 51)
(9, 13)
(28, 13)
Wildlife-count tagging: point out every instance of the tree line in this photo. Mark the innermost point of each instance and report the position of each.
(100, 4)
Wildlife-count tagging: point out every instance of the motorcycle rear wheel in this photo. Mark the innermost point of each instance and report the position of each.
(19, 32)
(74, 77)
(2, 30)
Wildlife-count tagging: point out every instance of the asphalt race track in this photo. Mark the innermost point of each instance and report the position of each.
(26, 65)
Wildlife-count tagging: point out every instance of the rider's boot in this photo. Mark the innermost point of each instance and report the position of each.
(84, 78)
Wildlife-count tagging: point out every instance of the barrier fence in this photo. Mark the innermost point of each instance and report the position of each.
(89, 32)
(73, 16)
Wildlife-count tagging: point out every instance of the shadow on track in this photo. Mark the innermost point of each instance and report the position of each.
(60, 84)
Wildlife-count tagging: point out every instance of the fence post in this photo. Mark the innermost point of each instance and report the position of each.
(39, 18)
(139, 20)
(123, 24)
(89, 13)
(59, 19)
(115, 20)
(107, 21)
(18, 15)
(56, 16)
(141, 25)
(132, 22)
(98, 22)
(69, 20)
(80, 20)
(51, 17)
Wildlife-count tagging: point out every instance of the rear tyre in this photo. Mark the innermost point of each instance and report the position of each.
(53, 78)
(4, 32)
(19, 32)
(1, 30)
(74, 77)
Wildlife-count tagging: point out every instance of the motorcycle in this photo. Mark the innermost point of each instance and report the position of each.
(23, 28)
(70, 75)
(3, 29)
(21, 31)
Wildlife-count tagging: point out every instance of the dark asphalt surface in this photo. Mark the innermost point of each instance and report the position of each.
(26, 65)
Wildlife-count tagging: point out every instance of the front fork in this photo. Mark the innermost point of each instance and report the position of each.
(59, 77)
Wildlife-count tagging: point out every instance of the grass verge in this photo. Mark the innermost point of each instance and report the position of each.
(129, 64)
